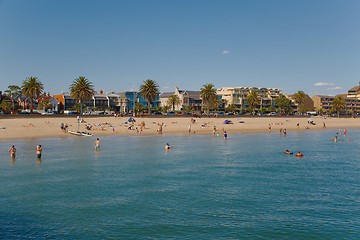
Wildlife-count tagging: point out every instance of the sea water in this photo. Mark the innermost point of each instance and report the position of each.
(205, 187)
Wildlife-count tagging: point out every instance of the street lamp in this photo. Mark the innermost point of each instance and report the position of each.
(134, 107)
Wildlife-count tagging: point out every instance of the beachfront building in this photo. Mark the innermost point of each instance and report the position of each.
(323, 103)
(354, 92)
(98, 102)
(134, 97)
(307, 105)
(188, 99)
(119, 102)
(237, 96)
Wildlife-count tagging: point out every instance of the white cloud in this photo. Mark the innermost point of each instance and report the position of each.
(321, 84)
(335, 88)
(225, 52)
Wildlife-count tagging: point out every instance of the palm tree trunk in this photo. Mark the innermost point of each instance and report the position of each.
(31, 105)
(81, 110)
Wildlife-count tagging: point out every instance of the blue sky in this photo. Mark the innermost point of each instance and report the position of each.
(308, 45)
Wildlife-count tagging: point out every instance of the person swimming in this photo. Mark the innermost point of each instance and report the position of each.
(167, 146)
(287, 151)
(299, 154)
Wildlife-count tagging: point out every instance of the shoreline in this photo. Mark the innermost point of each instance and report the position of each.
(44, 127)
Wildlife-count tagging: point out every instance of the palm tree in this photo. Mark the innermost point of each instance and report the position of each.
(149, 90)
(283, 103)
(299, 98)
(32, 88)
(253, 99)
(139, 108)
(208, 95)
(12, 92)
(338, 104)
(173, 101)
(81, 89)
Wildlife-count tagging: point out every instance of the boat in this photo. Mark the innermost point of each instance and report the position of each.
(78, 133)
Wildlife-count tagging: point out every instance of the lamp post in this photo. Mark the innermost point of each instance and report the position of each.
(134, 102)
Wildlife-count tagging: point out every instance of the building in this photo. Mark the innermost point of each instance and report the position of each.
(323, 102)
(188, 99)
(135, 97)
(354, 92)
(237, 96)
(352, 99)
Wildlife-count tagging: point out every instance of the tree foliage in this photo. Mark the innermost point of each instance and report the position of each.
(209, 96)
(173, 101)
(283, 103)
(338, 104)
(32, 88)
(299, 98)
(149, 90)
(253, 100)
(12, 92)
(81, 90)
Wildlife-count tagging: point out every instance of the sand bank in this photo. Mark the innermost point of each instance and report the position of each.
(38, 127)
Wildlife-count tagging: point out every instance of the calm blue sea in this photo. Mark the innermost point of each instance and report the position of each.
(204, 188)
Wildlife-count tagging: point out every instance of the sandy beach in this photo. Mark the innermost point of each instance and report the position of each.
(42, 126)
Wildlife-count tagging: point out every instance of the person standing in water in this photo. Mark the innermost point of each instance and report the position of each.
(97, 144)
(12, 152)
(225, 135)
(38, 151)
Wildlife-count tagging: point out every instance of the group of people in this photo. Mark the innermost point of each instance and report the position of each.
(12, 151)
(298, 154)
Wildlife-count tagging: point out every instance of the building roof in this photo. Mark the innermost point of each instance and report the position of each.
(192, 94)
(166, 94)
(324, 96)
(100, 97)
(354, 89)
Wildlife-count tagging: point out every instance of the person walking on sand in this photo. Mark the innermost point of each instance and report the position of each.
(38, 151)
(160, 129)
(12, 152)
(97, 144)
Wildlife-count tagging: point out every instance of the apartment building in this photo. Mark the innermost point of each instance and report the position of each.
(352, 99)
(237, 96)
(187, 99)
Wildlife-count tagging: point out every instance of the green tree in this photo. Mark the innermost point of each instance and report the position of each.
(188, 109)
(338, 104)
(299, 98)
(139, 108)
(208, 95)
(32, 88)
(283, 103)
(173, 101)
(12, 92)
(5, 106)
(253, 99)
(81, 90)
(231, 108)
(149, 90)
